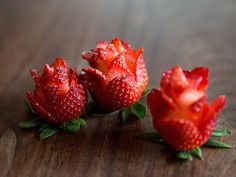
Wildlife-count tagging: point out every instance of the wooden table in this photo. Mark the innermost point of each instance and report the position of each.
(188, 33)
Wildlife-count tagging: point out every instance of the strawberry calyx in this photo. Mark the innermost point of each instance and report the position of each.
(138, 109)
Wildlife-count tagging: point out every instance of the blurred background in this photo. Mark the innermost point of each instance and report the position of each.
(172, 32)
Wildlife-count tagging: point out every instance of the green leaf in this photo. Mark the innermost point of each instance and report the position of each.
(146, 92)
(216, 144)
(70, 127)
(47, 132)
(149, 136)
(197, 153)
(124, 114)
(43, 126)
(139, 110)
(82, 122)
(184, 155)
(220, 133)
(30, 124)
(73, 126)
(29, 107)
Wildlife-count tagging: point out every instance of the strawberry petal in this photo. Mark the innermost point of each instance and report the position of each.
(88, 55)
(118, 45)
(213, 113)
(73, 77)
(93, 79)
(117, 67)
(47, 72)
(198, 78)
(35, 74)
(158, 105)
(174, 82)
(178, 81)
(102, 45)
(59, 62)
(37, 77)
(141, 75)
(218, 104)
(38, 108)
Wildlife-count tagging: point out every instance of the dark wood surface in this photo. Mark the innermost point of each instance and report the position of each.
(188, 33)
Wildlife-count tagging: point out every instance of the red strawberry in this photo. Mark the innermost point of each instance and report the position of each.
(58, 96)
(180, 109)
(118, 75)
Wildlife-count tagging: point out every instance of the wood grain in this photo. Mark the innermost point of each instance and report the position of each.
(188, 33)
(7, 151)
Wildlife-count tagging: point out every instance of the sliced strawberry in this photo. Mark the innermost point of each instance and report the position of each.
(58, 96)
(180, 110)
(115, 65)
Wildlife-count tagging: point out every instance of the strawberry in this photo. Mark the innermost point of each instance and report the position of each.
(117, 76)
(180, 110)
(58, 96)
